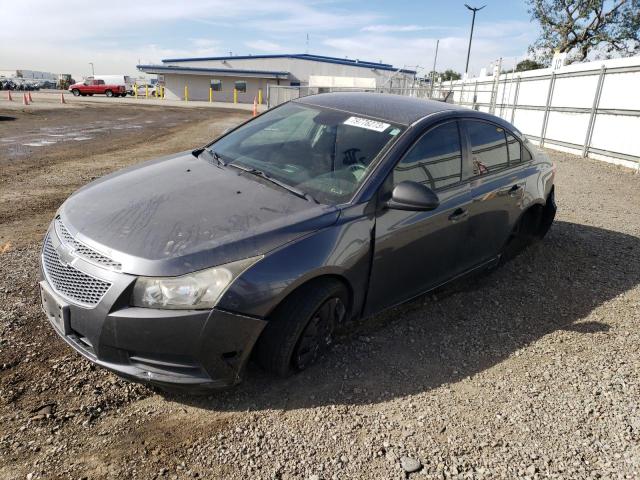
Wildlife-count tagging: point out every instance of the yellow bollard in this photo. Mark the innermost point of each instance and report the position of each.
(235, 95)
(260, 96)
(146, 92)
(186, 93)
(210, 94)
(135, 89)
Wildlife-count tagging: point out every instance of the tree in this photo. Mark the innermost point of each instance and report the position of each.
(528, 64)
(450, 75)
(581, 27)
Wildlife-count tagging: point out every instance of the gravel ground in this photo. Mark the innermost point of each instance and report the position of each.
(531, 371)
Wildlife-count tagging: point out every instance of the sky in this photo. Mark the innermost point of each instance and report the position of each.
(63, 37)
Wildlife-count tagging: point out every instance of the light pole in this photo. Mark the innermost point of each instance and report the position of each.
(433, 72)
(93, 74)
(473, 21)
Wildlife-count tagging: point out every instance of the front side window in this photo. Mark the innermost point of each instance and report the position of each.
(241, 87)
(435, 160)
(488, 146)
(325, 153)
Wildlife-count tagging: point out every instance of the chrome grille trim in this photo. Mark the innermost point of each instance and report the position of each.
(83, 250)
(70, 283)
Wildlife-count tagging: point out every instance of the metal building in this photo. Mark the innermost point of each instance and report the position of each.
(243, 78)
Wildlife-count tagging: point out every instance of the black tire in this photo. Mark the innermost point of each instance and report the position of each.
(301, 328)
(90, 94)
(109, 93)
(532, 227)
(75, 92)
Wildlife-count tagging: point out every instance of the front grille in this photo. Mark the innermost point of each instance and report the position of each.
(82, 250)
(74, 285)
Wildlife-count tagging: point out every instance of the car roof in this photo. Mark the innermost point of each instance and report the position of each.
(383, 106)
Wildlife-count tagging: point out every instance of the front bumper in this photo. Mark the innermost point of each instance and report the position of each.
(179, 348)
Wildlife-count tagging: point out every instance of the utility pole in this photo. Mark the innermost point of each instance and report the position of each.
(433, 72)
(92, 72)
(473, 21)
(307, 45)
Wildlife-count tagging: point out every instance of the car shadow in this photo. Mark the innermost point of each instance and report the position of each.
(459, 331)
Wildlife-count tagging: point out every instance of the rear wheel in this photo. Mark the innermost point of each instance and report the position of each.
(532, 226)
(301, 329)
(109, 93)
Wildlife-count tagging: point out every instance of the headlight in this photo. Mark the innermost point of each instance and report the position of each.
(198, 290)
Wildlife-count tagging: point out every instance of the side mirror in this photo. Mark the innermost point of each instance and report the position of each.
(413, 196)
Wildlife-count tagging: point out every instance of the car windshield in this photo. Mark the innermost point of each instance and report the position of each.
(324, 153)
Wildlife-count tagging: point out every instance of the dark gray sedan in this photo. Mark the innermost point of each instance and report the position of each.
(320, 211)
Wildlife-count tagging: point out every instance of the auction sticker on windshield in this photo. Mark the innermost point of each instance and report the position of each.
(366, 123)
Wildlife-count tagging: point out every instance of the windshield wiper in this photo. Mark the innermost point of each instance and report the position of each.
(217, 158)
(266, 176)
(211, 155)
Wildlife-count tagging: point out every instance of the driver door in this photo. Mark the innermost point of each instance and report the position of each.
(417, 251)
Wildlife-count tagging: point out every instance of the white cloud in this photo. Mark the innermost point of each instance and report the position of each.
(264, 46)
(489, 43)
(383, 28)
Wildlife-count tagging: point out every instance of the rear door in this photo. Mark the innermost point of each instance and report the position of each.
(415, 251)
(497, 186)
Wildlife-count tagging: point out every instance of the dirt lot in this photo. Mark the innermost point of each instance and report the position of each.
(531, 371)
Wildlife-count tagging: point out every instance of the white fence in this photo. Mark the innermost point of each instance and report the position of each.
(592, 109)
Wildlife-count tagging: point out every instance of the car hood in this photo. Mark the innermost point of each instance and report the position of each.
(180, 214)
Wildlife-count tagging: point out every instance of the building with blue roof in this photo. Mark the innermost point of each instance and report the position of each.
(242, 78)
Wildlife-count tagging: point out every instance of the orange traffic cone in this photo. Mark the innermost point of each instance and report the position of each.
(24, 99)
(62, 98)
(30, 99)
(9, 96)
(255, 106)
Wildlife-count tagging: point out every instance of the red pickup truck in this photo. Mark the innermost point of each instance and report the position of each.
(91, 87)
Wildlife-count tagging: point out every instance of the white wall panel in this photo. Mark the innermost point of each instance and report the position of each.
(621, 90)
(617, 133)
(533, 92)
(567, 127)
(577, 92)
(529, 122)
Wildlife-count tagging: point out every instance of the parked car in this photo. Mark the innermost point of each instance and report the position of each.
(142, 89)
(124, 80)
(323, 210)
(92, 87)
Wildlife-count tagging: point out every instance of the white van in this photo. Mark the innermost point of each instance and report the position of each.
(117, 80)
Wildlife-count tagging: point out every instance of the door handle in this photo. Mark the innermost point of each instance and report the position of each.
(458, 214)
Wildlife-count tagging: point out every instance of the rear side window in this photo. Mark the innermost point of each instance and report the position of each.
(488, 146)
(435, 159)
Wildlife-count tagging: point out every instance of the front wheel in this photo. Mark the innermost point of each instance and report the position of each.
(75, 92)
(109, 93)
(301, 328)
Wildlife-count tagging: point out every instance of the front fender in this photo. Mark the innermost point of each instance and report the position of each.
(342, 249)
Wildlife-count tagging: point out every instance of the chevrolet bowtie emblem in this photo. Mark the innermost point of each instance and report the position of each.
(65, 255)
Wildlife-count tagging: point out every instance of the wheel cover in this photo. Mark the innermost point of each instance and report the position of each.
(316, 337)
